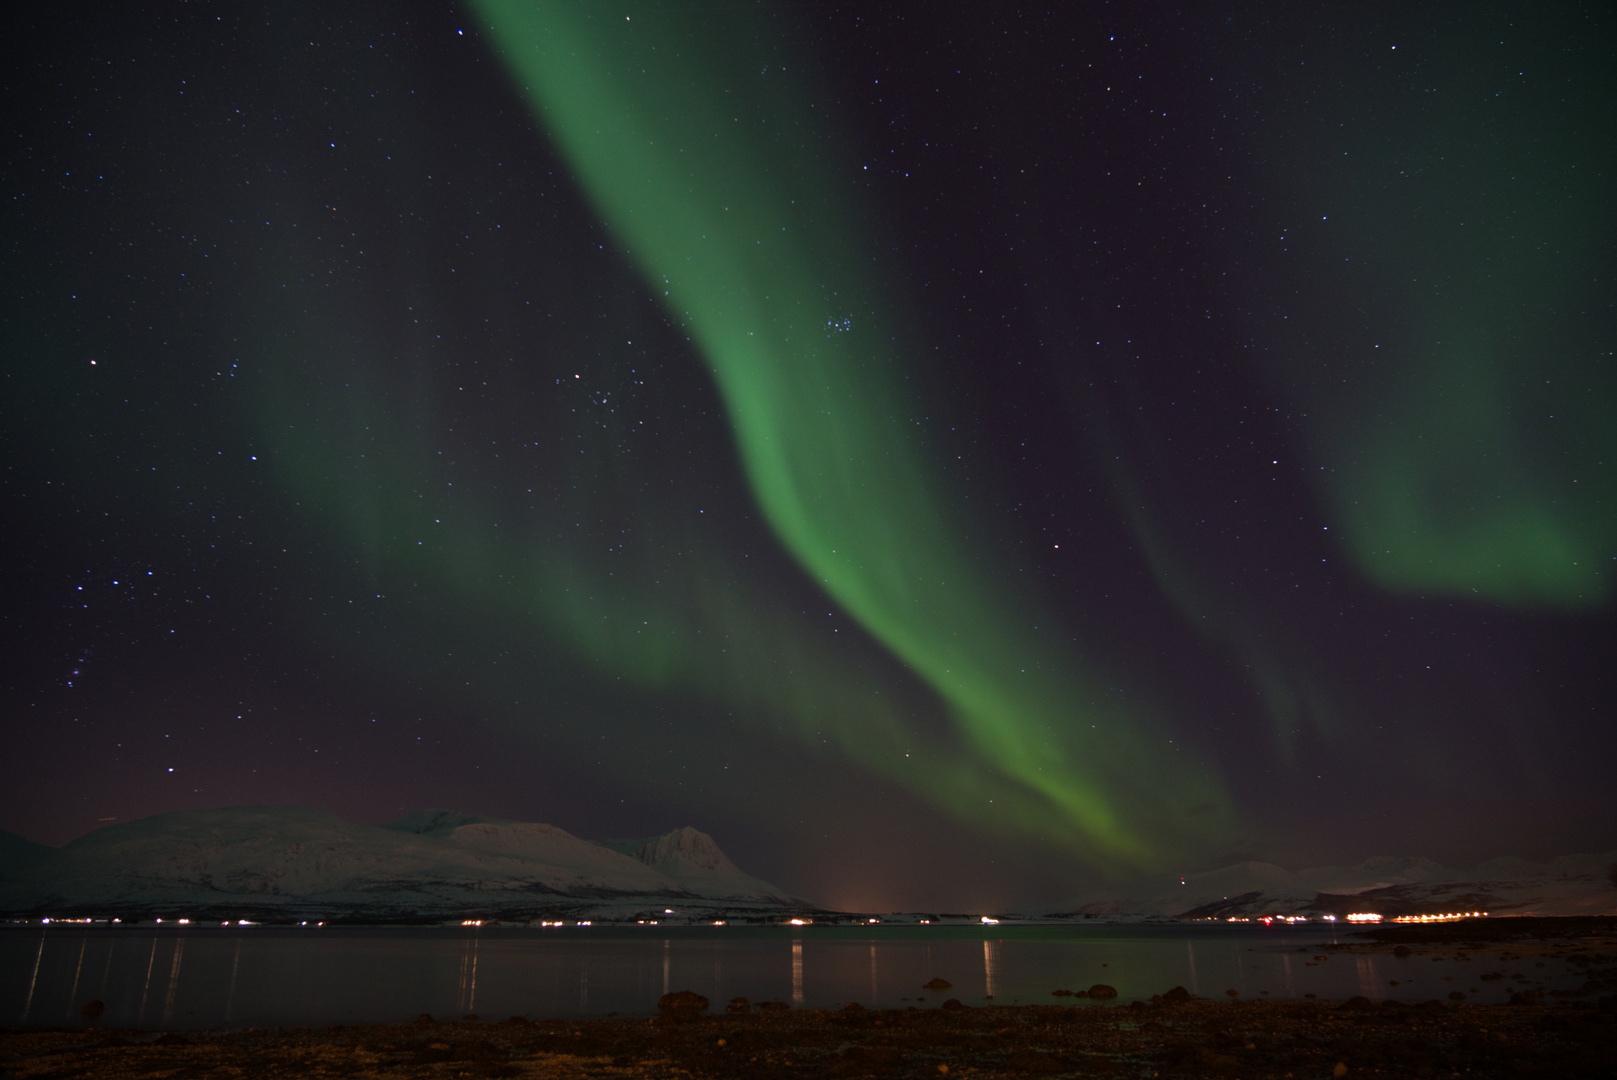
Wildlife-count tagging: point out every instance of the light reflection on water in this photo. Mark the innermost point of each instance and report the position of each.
(797, 972)
(260, 976)
(466, 999)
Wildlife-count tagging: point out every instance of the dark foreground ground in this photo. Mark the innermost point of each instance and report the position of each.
(1193, 1038)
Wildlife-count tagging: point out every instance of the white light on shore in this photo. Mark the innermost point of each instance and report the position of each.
(1451, 916)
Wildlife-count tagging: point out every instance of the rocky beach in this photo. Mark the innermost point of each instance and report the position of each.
(1169, 1039)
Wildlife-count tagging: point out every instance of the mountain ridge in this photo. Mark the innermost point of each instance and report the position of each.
(288, 861)
(1390, 886)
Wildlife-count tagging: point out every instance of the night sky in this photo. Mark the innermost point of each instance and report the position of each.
(954, 454)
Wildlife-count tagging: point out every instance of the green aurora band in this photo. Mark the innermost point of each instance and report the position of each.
(1449, 301)
(707, 168)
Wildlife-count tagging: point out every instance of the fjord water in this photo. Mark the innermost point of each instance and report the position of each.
(201, 977)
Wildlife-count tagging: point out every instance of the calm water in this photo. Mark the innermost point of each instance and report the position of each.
(260, 976)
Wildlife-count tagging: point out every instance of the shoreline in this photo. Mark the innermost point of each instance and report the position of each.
(1174, 1036)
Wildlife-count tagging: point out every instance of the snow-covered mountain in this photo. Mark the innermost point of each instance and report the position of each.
(689, 857)
(286, 862)
(1570, 885)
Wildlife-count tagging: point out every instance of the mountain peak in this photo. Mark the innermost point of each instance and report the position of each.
(438, 822)
(691, 856)
(684, 847)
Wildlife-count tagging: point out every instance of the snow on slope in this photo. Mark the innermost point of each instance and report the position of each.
(1571, 885)
(1380, 872)
(438, 822)
(292, 859)
(693, 859)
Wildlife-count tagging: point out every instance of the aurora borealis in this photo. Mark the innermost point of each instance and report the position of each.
(947, 455)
